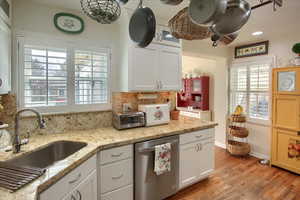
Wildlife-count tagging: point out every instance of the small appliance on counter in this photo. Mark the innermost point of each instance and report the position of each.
(128, 120)
(156, 114)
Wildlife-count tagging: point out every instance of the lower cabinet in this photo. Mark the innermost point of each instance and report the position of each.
(79, 184)
(286, 149)
(85, 190)
(196, 157)
(116, 173)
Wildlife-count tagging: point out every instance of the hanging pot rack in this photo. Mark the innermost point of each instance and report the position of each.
(276, 3)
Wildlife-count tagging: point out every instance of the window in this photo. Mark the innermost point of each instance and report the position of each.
(249, 87)
(64, 79)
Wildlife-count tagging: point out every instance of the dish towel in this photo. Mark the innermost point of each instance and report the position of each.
(162, 163)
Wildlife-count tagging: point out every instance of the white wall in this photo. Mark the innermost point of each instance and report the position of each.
(31, 17)
(200, 55)
(281, 49)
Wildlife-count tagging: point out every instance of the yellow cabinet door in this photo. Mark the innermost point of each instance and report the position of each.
(286, 112)
(286, 149)
(286, 80)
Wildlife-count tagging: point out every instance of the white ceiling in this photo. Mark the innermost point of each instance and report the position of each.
(273, 24)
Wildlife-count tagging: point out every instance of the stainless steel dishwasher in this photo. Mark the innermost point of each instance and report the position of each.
(149, 186)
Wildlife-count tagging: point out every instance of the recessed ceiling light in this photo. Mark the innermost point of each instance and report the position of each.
(257, 33)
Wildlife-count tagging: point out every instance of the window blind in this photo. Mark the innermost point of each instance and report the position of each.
(45, 76)
(91, 77)
(249, 87)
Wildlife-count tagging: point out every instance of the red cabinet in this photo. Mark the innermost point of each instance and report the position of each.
(195, 93)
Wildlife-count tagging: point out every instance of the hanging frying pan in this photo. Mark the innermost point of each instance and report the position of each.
(206, 12)
(142, 26)
(235, 17)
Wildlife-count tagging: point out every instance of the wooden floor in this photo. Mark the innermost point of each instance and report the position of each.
(243, 179)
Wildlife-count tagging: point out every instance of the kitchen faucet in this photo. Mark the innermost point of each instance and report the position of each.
(16, 143)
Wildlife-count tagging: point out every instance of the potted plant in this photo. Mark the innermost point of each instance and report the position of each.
(296, 50)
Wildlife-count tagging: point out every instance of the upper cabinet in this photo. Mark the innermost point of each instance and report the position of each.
(155, 68)
(286, 80)
(5, 58)
(6, 11)
(158, 67)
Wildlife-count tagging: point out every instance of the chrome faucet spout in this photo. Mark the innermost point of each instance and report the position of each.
(16, 143)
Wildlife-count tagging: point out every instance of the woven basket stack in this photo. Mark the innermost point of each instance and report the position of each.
(237, 143)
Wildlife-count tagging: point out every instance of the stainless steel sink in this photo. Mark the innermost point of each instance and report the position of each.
(48, 155)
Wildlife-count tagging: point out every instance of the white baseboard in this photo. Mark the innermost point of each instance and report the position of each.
(220, 144)
(254, 154)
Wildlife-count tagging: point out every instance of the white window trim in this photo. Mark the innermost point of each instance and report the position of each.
(251, 61)
(71, 107)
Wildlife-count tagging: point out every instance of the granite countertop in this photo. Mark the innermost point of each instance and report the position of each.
(96, 140)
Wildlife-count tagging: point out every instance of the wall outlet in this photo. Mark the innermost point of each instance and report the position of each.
(127, 107)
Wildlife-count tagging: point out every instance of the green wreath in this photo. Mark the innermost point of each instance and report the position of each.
(296, 49)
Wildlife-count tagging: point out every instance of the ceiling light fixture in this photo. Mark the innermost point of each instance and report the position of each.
(257, 33)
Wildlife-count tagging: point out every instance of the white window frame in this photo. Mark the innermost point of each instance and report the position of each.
(70, 47)
(252, 61)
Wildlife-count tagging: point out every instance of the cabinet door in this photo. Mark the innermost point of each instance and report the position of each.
(86, 190)
(189, 168)
(286, 112)
(286, 149)
(206, 158)
(125, 193)
(143, 68)
(5, 58)
(286, 80)
(170, 68)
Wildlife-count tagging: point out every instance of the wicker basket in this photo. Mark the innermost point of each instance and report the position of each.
(239, 132)
(183, 28)
(238, 118)
(238, 148)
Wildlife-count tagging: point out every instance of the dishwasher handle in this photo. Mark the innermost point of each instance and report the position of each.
(151, 149)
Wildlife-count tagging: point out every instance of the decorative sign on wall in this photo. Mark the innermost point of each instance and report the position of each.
(68, 23)
(261, 48)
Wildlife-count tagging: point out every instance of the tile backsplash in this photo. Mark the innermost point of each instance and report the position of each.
(56, 123)
(119, 98)
(60, 123)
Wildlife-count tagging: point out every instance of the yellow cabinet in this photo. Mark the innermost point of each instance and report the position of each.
(286, 118)
(286, 80)
(286, 149)
(286, 112)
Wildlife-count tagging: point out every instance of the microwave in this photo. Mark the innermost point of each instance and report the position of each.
(156, 114)
(6, 11)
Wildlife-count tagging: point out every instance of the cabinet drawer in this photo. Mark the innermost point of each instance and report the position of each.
(116, 175)
(125, 193)
(70, 181)
(116, 154)
(197, 135)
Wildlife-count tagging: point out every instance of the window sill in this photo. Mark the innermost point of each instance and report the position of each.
(259, 122)
(66, 110)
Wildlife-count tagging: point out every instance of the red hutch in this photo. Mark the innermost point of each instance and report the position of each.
(195, 93)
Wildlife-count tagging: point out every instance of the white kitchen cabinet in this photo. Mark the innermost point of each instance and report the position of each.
(155, 68)
(170, 68)
(116, 173)
(158, 67)
(143, 73)
(5, 58)
(73, 182)
(196, 157)
(86, 190)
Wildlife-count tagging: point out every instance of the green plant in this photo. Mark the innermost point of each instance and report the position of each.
(296, 48)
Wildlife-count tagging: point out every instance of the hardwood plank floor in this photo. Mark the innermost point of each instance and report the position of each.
(243, 179)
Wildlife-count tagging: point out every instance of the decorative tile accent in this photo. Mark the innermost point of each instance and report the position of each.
(119, 98)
